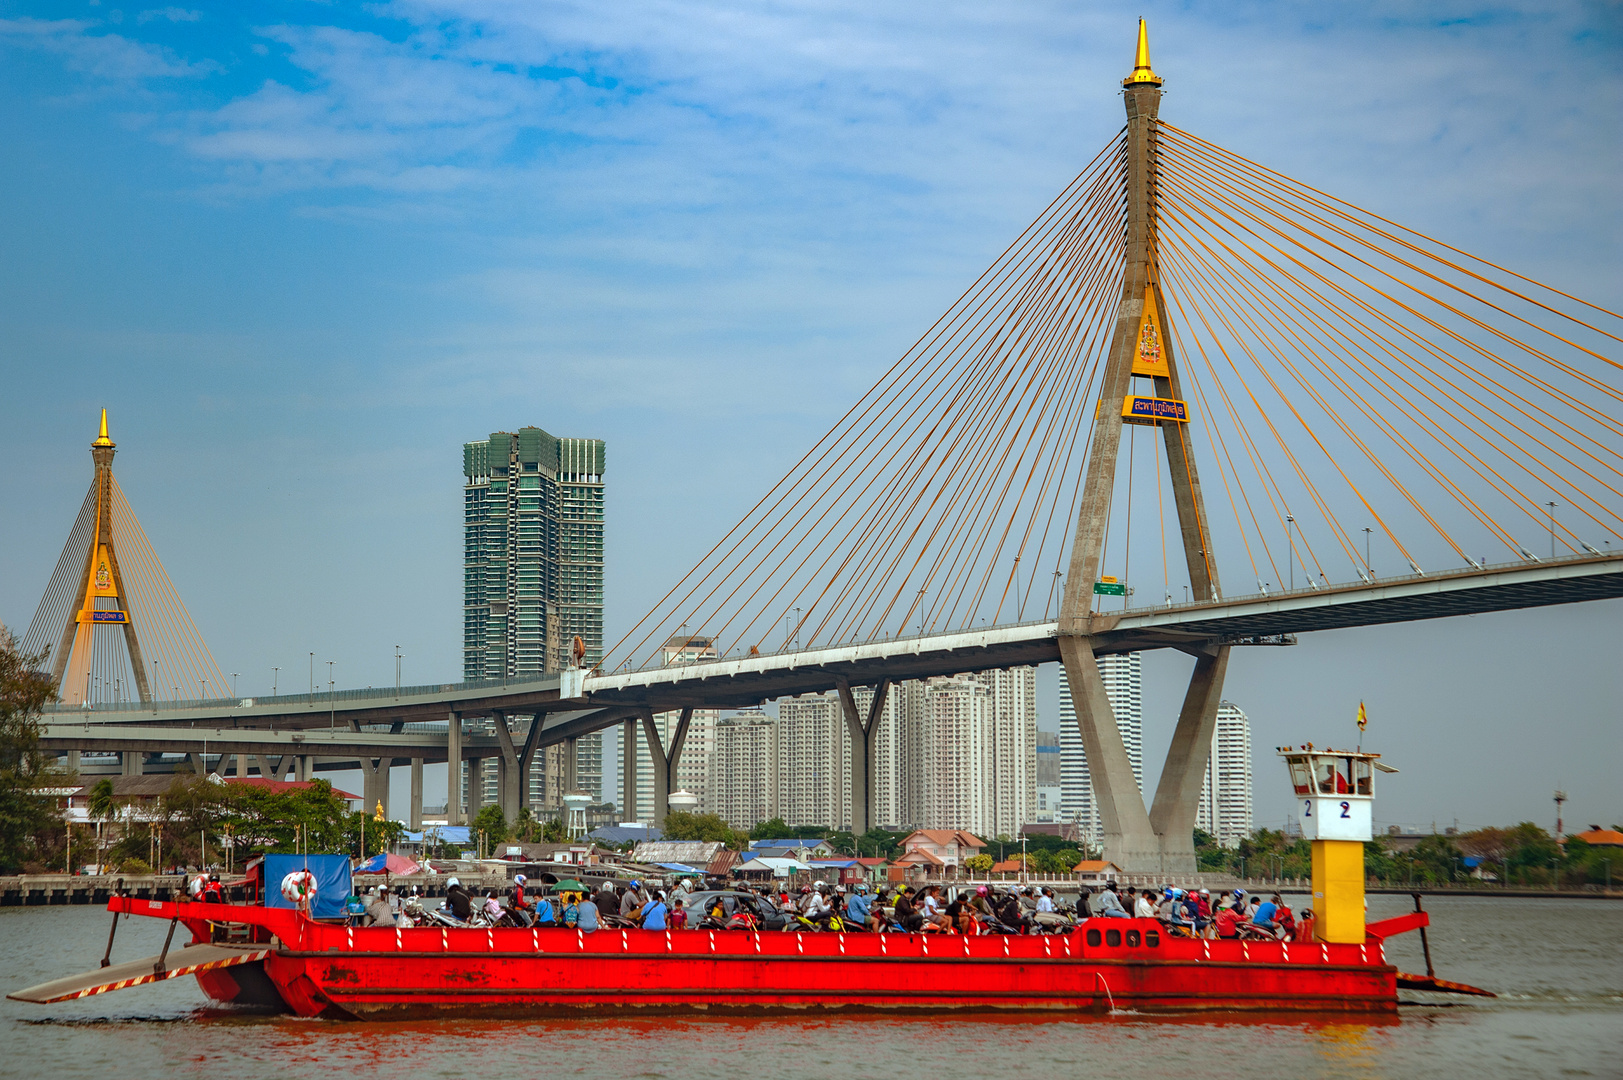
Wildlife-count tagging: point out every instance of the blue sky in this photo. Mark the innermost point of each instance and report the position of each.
(304, 251)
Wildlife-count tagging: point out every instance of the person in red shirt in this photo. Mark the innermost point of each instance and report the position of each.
(1286, 923)
(1228, 921)
(679, 916)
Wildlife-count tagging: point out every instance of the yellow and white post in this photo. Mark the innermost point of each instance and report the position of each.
(1336, 791)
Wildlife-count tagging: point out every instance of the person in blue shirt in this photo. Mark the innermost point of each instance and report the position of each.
(653, 912)
(545, 914)
(1263, 917)
(856, 907)
(586, 914)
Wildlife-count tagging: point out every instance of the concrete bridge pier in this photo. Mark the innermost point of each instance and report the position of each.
(862, 730)
(513, 770)
(133, 762)
(1161, 841)
(415, 819)
(475, 795)
(374, 782)
(628, 771)
(664, 761)
(453, 769)
(1177, 796)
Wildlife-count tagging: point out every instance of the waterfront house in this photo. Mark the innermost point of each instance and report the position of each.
(765, 868)
(938, 852)
(679, 855)
(1095, 871)
(847, 872)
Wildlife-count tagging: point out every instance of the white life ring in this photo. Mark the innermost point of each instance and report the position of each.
(299, 887)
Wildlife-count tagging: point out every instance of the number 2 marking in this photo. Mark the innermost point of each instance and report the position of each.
(1307, 807)
(1344, 808)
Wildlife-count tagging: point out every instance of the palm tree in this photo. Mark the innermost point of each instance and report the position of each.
(102, 807)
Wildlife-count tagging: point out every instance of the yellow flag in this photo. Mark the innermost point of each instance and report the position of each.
(1363, 718)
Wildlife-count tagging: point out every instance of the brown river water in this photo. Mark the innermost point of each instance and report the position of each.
(1556, 964)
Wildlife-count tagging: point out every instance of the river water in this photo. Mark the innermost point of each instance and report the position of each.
(1556, 964)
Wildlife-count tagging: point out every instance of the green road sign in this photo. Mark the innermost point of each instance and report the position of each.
(1109, 588)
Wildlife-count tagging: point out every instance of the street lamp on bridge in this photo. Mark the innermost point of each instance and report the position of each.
(1290, 542)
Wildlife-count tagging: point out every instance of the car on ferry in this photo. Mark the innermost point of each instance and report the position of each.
(766, 913)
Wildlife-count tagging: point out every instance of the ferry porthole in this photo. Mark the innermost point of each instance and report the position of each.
(1112, 937)
(1133, 938)
(1152, 939)
(1093, 937)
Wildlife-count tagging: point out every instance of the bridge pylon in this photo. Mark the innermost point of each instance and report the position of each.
(110, 621)
(1160, 839)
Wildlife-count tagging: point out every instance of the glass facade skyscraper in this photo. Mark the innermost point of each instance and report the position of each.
(532, 553)
(533, 569)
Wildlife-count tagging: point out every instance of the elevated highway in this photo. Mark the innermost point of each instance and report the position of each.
(368, 726)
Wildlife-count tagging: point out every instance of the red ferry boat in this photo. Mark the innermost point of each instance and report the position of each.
(319, 969)
(282, 957)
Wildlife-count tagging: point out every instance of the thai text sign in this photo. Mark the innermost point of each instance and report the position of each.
(1153, 410)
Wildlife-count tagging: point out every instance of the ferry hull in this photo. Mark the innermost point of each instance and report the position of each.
(319, 969)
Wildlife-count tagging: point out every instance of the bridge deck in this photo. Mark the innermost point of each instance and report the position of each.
(733, 683)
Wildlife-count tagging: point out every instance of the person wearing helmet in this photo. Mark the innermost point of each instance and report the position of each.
(819, 909)
(458, 900)
(516, 900)
(378, 911)
(1009, 912)
(1107, 903)
(632, 902)
(858, 908)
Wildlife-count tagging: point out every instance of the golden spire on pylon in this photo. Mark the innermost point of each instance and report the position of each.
(102, 439)
(1142, 75)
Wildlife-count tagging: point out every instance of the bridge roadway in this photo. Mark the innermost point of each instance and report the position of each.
(601, 700)
(576, 703)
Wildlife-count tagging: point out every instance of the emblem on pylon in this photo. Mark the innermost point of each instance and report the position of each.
(1150, 355)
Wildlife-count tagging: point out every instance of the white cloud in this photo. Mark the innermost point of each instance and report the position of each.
(169, 14)
(104, 56)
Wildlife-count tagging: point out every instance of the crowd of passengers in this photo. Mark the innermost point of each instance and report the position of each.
(997, 908)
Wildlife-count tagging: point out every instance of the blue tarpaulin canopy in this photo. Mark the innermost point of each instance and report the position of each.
(680, 868)
(332, 882)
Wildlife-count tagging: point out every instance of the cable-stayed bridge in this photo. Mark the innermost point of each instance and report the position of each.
(1189, 370)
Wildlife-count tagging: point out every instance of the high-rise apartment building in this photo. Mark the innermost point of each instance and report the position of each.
(1225, 796)
(1050, 792)
(1123, 677)
(814, 762)
(743, 772)
(1011, 767)
(958, 752)
(953, 726)
(963, 755)
(533, 573)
